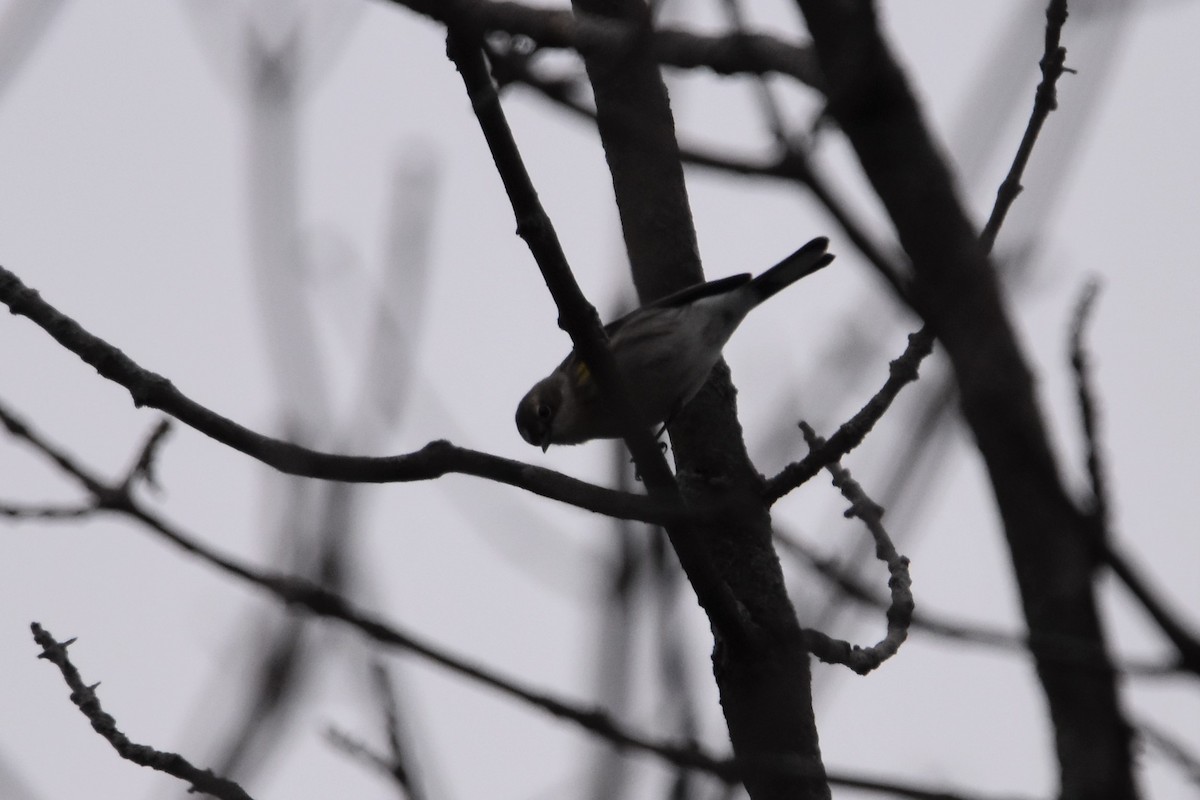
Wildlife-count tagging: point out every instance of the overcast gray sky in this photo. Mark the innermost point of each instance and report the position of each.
(123, 199)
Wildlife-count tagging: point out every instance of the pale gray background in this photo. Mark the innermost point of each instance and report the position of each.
(123, 200)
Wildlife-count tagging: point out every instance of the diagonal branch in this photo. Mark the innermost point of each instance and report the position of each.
(792, 164)
(901, 372)
(1173, 749)
(318, 601)
(435, 459)
(581, 321)
(1045, 100)
(84, 696)
(313, 599)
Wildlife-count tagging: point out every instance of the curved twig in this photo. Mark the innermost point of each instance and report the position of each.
(899, 613)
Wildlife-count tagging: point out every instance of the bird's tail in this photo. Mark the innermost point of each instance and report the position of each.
(805, 261)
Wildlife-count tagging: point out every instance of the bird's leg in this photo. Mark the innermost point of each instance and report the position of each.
(661, 446)
(666, 423)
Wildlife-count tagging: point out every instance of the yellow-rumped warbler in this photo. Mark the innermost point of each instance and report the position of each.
(664, 352)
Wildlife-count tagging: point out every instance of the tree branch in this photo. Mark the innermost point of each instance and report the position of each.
(434, 460)
(314, 599)
(1186, 643)
(46, 512)
(1075, 652)
(579, 318)
(1173, 749)
(901, 372)
(792, 164)
(956, 290)
(590, 34)
(83, 696)
(899, 612)
(1045, 100)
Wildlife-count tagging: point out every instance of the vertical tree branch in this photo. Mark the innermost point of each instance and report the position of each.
(579, 318)
(766, 689)
(956, 290)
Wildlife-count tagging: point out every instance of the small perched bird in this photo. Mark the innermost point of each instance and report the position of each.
(664, 352)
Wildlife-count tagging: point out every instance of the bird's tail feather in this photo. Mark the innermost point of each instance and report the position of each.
(802, 263)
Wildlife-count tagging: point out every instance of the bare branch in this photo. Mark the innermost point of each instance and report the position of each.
(792, 164)
(1185, 641)
(15, 511)
(143, 467)
(1087, 404)
(1074, 651)
(959, 296)
(753, 53)
(1173, 749)
(1176, 630)
(1045, 100)
(84, 696)
(361, 752)
(431, 461)
(901, 372)
(900, 611)
(302, 593)
(400, 756)
(579, 318)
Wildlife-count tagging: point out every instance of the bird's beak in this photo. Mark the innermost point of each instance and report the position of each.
(545, 440)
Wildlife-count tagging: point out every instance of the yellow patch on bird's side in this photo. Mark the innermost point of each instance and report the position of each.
(583, 375)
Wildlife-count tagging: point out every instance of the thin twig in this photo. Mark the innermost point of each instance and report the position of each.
(792, 164)
(401, 756)
(849, 586)
(766, 100)
(1185, 641)
(48, 512)
(577, 316)
(900, 610)
(1087, 405)
(901, 372)
(143, 467)
(84, 696)
(1053, 64)
(1177, 631)
(1172, 749)
(359, 751)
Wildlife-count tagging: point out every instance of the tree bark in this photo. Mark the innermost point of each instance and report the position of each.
(765, 688)
(1051, 541)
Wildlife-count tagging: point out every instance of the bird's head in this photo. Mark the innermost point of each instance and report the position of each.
(537, 412)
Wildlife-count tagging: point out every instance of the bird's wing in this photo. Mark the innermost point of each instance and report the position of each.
(683, 297)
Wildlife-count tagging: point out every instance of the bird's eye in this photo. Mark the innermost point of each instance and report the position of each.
(544, 411)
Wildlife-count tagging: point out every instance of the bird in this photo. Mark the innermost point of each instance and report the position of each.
(664, 352)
